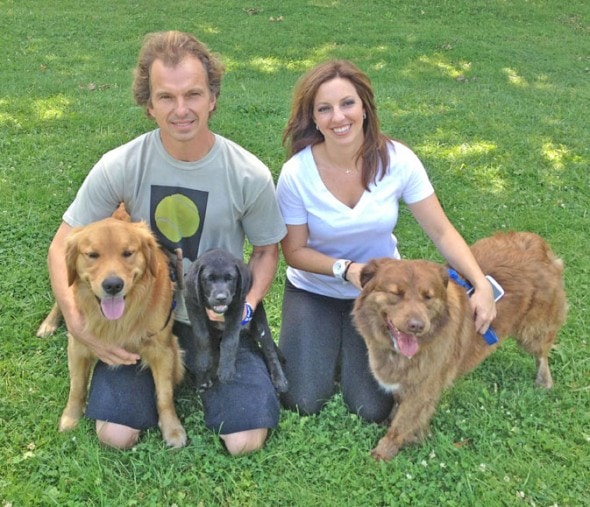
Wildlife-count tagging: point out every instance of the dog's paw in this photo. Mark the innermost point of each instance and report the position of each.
(544, 378)
(226, 374)
(174, 435)
(385, 450)
(67, 423)
(46, 329)
(203, 380)
(51, 322)
(280, 383)
(202, 387)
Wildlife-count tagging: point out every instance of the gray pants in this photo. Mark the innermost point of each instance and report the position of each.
(322, 348)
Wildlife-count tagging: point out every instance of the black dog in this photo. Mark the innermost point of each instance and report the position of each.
(218, 281)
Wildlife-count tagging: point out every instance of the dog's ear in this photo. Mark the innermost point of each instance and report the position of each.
(244, 278)
(72, 252)
(192, 283)
(149, 247)
(198, 287)
(369, 270)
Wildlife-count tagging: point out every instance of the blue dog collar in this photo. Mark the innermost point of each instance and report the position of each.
(489, 336)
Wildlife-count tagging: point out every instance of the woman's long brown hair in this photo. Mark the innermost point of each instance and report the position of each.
(301, 130)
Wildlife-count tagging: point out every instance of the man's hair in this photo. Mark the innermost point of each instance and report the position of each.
(301, 130)
(171, 48)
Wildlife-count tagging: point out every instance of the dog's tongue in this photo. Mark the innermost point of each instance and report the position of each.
(406, 343)
(113, 307)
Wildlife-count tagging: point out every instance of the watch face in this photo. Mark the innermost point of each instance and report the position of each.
(339, 268)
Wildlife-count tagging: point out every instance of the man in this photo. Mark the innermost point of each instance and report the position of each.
(197, 190)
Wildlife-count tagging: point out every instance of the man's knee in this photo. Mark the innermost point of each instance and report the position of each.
(245, 442)
(116, 435)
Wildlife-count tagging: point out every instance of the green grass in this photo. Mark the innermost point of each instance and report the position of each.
(492, 95)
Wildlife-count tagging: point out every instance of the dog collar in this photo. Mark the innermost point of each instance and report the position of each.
(172, 307)
(489, 336)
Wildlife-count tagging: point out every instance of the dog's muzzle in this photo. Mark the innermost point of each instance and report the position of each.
(405, 344)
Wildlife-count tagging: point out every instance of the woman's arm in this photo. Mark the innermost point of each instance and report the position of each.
(433, 220)
(298, 255)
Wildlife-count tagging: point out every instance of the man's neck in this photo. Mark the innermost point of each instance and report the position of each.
(189, 152)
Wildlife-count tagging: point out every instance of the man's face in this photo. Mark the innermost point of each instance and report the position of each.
(180, 102)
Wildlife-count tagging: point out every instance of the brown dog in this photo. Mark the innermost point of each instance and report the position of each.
(122, 286)
(419, 328)
(54, 318)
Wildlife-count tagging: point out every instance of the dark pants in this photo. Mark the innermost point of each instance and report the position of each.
(126, 394)
(321, 348)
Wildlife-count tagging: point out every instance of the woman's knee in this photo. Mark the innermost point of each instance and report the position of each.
(302, 405)
(373, 409)
(245, 442)
(116, 435)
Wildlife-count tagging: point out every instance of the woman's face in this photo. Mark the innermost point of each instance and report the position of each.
(338, 112)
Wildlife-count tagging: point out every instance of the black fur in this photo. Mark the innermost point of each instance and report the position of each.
(219, 281)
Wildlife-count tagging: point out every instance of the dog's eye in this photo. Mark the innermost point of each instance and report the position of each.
(395, 294)
(92, 255)
(127, 253)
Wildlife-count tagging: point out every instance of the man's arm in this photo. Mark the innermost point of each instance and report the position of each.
(263, 263)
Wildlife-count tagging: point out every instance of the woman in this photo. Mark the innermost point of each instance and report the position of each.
(339, 194)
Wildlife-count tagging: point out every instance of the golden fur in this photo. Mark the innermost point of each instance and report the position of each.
(114, 260)
(412, 308)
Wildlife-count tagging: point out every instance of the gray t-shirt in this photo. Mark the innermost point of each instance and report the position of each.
(216, 202)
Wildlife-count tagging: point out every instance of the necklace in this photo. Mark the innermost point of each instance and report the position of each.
(345, 171)
(329, 164)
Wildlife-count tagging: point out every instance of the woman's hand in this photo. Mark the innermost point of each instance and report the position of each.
(483, 306)
(353, 275)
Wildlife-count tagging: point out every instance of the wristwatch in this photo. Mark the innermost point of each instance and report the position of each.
(339, 269)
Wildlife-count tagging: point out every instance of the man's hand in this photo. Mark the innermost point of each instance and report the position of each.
(246, 315)
(107, 353)
(114, 356)
(215, 317)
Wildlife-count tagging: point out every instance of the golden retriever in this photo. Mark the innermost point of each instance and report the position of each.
(122, 286)
(419, 330)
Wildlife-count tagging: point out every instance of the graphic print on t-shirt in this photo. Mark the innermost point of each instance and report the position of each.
(177, 216)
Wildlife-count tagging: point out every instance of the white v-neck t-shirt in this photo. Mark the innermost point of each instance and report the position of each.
(361, 233)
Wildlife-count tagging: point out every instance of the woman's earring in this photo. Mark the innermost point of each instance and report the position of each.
(364, 115)
(316, 127)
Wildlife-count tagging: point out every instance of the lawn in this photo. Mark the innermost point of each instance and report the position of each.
(494, 96)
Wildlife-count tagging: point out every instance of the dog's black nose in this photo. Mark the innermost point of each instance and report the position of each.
(220, 299)
(113, 285)
(415, 325)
